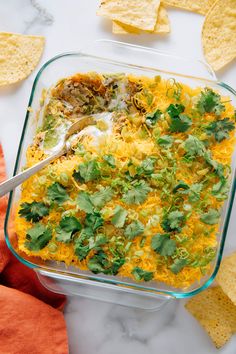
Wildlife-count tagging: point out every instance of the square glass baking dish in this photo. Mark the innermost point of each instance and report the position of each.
(114, 57)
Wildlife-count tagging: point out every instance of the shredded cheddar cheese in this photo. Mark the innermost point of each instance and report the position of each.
(162, 173)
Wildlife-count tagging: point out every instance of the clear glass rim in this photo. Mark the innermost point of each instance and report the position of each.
(169, 293)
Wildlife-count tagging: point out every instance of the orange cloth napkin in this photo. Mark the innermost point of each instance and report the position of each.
(28, 322)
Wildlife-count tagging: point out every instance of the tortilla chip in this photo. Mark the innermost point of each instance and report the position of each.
(137, 13)
(216, 313)
(199, 6)
(162, 25)
(19, 55)
(226, 277)
(219, 34)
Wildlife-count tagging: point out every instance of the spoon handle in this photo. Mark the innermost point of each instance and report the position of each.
(14, 181)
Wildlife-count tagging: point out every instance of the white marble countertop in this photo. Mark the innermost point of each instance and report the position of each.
(97, 327)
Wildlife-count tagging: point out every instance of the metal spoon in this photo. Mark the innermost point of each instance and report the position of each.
(13, 182)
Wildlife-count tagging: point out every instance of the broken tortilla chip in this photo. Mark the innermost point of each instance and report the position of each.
(199, 6)
(219, 34)
(162, 25)
(216, 313)
(141, 14)
(226, 276)
(19, 55)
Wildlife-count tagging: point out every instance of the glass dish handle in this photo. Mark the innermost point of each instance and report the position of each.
(71, 286)
(150, 58)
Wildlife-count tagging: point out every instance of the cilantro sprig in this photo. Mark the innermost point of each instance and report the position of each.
(94, 221)
(87, 171)
(220, 129)
(94, 201)
(195, 147)
(141, 274)
(119, 217)
(179, 122)
(100, 198)
(68, 226)
(134, 229)
(57, 193)
(163, 244)
(210, 102)
(211, 217)
(100, 263)
(34, 211)
(38, 237)
(173, 221)
(147, 166)
(178, 265)
(137, 193)
(165, 141)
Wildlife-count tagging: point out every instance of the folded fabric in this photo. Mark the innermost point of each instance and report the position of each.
(27, 325)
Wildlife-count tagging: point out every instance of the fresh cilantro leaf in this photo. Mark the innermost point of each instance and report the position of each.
(134, 229)
(162, 244)
(137, 194)
(118, 182)
(178, 265)
(68, 226)
(181, 185)
(165, 141)
(221, 189)
(94, 221)
(180, 123)
(218, 167)
(152, 118)
(57, 193)
(118, 219)
(81, 249)
(98, 263)
(147, 166)
(87, 171)
(34, 211)
(173, 221)
(38, 237)
(100, 198)
(99, 240)
(211, 217)
(194, 192)
(115, 266)
(110, 160)
(220, 129)
(81, 243)
(210, 102)
(141, 274)
(193, 146)
(85, 202)
(174, 110)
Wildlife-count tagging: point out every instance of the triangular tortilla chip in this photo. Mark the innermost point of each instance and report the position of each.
(219, 34)
(19, 55)
(199, 6)
(137, 13)
(162, 25)
(216, 313)
(226, 276)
